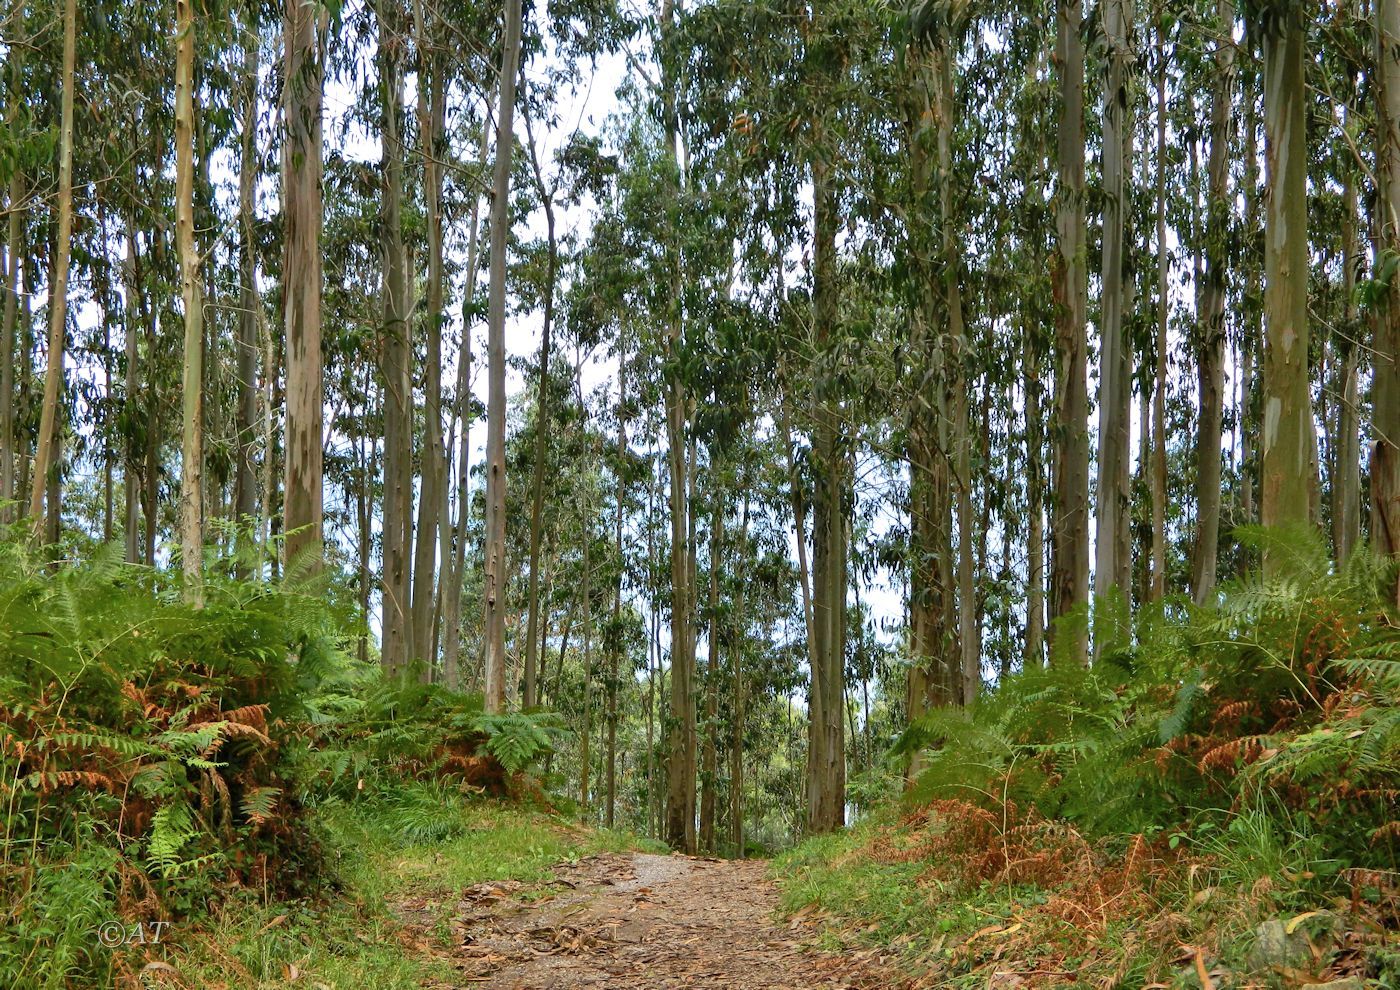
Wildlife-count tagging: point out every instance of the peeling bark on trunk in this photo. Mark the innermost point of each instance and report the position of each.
(1211, 327)
(1069, 574)
(192, 381)
(245, 477)
(304, 75)
(432, 456)
(826, 756)
(1113, 570)
(1385, 455)
(396, 607)
(495, 604)
(1289, 442)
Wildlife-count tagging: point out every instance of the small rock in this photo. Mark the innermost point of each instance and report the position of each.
(1275, 949)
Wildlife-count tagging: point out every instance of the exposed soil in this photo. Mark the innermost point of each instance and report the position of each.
(637, 921)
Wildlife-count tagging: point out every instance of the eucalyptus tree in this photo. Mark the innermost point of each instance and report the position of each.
(47, 445)
(1385, 457)
(1069, 566)
(494, 598)
(1289, 442)
(1210, 343)
(1113, 565)
(303, 80)
(249, 299)
(192, 383)
(935, 317)
(398, 646)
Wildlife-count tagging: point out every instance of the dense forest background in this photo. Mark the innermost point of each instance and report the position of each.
(858, 358)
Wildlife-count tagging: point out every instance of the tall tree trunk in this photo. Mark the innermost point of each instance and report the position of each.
(709, 760)
(964, 673)
(1385, 453)
(433, 455)
(1289, 443)
(301, 271)
(249, 303)
(826, 757)
(737, 645)
(1113, 570)
(1253, 331)
(47, 452)
(1069, 577)
(17, 210)
(541, 422)
(192, 382)
(933, 677)
(1158, 588)
(269, 517)
(395, 607)
(1035, 497)
(1211, 343)
(585, 758)
(615, 636)
(680, 793)
(495, 624)
(452, 608)
(1346, 481)
(131, 329)
(364, 507)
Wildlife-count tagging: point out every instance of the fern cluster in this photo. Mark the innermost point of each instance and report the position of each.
(143, 746)
(1280, 699)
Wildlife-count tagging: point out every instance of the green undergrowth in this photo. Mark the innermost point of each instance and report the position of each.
(1211, 803)
(231, 764)
(358, 939)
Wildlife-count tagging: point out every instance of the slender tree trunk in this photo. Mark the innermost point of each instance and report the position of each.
(1385, 452)
(1346, 491)
(131, 330)
(826, 757)
(433, 455)
(1069, 580)
(586, 737)
(17, 209)
(9, 352)
(932, 677)
(1211, 343)
(1290, 445)
(680, 795)
(249, 303)
(452, 620)
(301, 170)
(396, 605)
(192, 382)
(270, 516)
(1253, 333)
(495, 597)
(364, 507)
(47, 453)
(737, 646)
(1113, 570)
(541, 422)
(1158, 587)
(1035, 496)
(964, 673)
(615, 636)
(709, 761)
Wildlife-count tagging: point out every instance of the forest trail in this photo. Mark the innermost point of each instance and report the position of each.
(638, 921)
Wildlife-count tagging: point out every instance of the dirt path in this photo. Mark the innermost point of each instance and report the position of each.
(640, 922)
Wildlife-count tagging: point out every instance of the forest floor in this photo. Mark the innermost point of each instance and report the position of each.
(635, 920)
